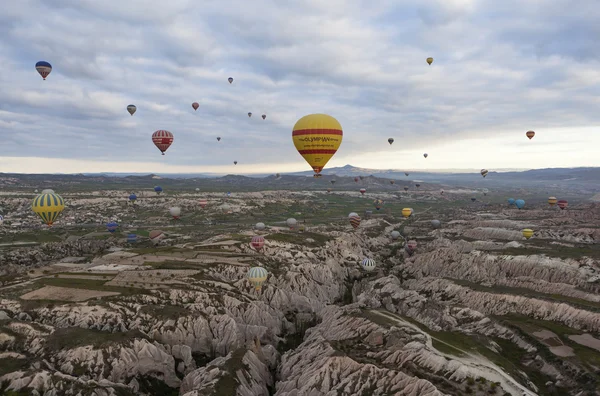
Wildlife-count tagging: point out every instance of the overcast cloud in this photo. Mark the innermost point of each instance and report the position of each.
(501, 68)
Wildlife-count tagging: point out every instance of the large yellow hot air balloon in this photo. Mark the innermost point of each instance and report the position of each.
(48, 206)
(406, 212)
(552, 201)
(317, 137)
(527, 233)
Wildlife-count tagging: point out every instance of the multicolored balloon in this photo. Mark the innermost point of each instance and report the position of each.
(162, 140)
(155, 236)
(354, 219)
(48, 206)
(257, 277)
(410, 247)
(317, 137)
(203, 203)
(552, 201)
(484, 172)
(44, 68)
(131, 109)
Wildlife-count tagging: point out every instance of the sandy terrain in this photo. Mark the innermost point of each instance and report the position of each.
(160, 278)
(65, 294)
(92, 277)
(587, 340)
(554, 343)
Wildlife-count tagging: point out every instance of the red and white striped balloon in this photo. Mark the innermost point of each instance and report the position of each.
(257, 242)
(162, 139)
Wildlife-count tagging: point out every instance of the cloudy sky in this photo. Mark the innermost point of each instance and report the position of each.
(500, 69)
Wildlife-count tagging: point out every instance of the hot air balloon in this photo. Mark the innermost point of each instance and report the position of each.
(425, 155)
(317, 137)
(264, 116)
(162, 139)
(131, 238)
(257, 277)
(527, 233)
(291, 222)
(47, 191)
(218, 138)
(329, 190)
(511, 201)
(278, 176)
(552, 201)
(158, 189)
(368, 264)
(395, 235)
(390, 141)
(405, 188)
(361, 177)
(410, 247)
(378, 203)
(484, 194)
(197, 189)
(203, 203)
(406, 173)
(112, 227)
(1, 220)
(131, 109)
(520, 203)
(260, 226)
(363, 191)
(257, 242)
(48, 206)
(484, 172)
(228, 193)
(249, 114)
(392, 182)
(35, 191)
(473, 199)
(406, 212)
(332, 181)
(442, 192)
(430, 60)
(195, 106)
(562, 204)
(175, 211)
(417, 185)
(44, 68)
(132, 197)
(530, 134)
(354, 219)
(230, 79)
(155, 236)
(436, 223)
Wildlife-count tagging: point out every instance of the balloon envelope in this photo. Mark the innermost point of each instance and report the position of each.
(511, 201)
(132, 197)
(436, 223)
(563, 204)
(48, 206)
(257, 277)
(527, 233)
(552, 201)
(291, 222)
(44, 68)
(395, 235)
(520, 203)
(390, 141)
(260, 226)
(317, 137)
(406, 212)
(484, 172)
(158, 189)
(230, 79)
(530, 134)
(368, 264)
(354, 220)
(131, 109)
(162, 140)
(175, 211)
(112, 226)
(430, 60)
(257, 242)
(195, 106)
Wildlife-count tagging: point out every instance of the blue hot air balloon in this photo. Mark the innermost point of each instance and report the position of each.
(132, 197)
(520, 203)
(131, 238)
(158, 189)
(228, 193)
(112, 226)
(511, 201)
(44, 68)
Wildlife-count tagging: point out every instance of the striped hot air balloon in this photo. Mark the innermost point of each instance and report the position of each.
(257, 277)
(257, 242)
(155, 236)
(354, 220)
(368, 264)
(44, 68)
(162, 139)
(410, 247)
(484, 172)
(552, 201)
(48, 206)
(562, 204)
(530, 134)
(317, 138)
(131, 238)
(203, 203)
(406, 212)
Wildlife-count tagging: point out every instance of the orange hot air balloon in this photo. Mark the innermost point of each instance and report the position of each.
(195, 105)
(317, 138)
(530, 134)
(162, 139)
